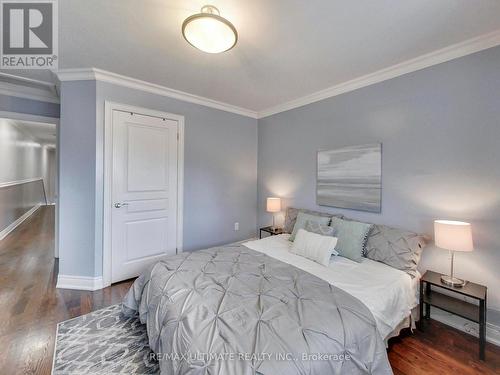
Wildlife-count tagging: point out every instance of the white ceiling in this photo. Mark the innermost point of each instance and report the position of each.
(40, 132)
(286, 49)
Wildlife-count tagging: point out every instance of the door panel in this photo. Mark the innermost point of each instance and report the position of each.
(147, 159)
(145, 238)
(144, 218)
(148, 205)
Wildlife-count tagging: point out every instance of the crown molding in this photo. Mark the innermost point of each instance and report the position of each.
(424, 61)
(90, 74)
(27, 88)
(452, 52)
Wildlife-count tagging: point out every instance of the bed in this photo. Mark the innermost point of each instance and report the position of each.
(256, 308)
(389, 293)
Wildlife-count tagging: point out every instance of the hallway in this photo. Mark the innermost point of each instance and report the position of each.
(30, 305)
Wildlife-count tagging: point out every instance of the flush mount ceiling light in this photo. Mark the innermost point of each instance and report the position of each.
(209, 32)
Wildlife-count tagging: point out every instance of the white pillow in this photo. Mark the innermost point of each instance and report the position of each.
(314, 246)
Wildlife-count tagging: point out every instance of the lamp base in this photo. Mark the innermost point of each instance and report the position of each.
(453, 281)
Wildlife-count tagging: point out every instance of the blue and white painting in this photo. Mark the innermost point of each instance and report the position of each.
(350, 177)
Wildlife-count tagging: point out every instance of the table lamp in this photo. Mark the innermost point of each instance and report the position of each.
(273, 206)
(453, 236)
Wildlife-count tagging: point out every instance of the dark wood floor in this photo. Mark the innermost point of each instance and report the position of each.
(30, 304)
(441, 350)
(31, 307)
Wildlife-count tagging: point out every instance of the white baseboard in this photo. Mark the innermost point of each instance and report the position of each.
(18, 222)
(79, 282)
(492, 331)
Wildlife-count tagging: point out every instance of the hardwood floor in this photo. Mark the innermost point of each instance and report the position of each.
(31, 307)
(440, 350)
(30, 304)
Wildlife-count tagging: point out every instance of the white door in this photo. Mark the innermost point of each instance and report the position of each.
(144, 212)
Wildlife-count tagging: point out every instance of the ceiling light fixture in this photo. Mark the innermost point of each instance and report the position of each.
(209, 32)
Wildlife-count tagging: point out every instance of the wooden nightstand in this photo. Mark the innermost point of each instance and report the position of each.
(455, 305)
(271, 231)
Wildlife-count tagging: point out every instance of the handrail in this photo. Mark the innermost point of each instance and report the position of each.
(19, 182)
(44, 194)
(26, 181)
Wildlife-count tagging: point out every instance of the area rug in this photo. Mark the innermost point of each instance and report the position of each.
(103, 342)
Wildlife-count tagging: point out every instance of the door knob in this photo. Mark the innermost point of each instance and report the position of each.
(120, 205)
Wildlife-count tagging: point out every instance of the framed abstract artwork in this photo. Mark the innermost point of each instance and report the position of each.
(350, 177)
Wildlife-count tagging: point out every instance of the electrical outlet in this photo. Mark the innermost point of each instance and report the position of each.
(236, 226)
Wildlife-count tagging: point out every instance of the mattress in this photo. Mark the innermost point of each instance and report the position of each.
(389, 294)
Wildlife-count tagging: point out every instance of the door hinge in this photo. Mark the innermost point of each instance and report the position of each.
(177, 136)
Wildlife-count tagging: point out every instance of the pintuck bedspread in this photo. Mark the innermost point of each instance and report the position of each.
(234, 311)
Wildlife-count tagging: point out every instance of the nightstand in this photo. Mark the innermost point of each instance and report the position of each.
(271, 231)
(455, 305)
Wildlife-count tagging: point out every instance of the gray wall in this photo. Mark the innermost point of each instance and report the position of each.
(28, 106)
(220, 171)
(440, 129)
(21, 158)
(77, 178)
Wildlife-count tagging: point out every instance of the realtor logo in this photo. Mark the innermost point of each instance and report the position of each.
(28, 34)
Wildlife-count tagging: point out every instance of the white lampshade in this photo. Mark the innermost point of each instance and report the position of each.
(209, 32)
(273, 205)
(453, 235)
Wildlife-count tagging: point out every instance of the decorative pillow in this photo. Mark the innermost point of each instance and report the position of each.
(314, 246)
(395, 247)
(291, 217)
(302, 218)
(315, 227)
(352, 236)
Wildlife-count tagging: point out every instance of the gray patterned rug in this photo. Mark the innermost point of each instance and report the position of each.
(103, 342)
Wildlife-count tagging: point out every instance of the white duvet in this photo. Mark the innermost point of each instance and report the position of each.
(390, 294)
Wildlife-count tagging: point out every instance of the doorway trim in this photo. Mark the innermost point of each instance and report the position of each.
(109, 107)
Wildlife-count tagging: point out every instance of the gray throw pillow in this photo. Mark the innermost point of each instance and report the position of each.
(395, 247)
(352, 236)
(302, 219)
(315, 227)
(291, 216)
